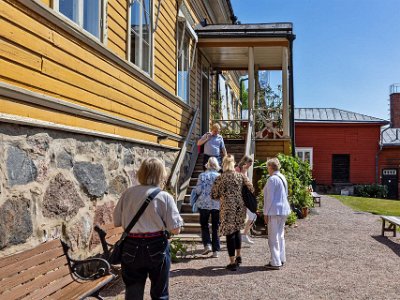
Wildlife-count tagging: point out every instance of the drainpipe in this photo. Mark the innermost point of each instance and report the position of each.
(291, 38)
(379, 152)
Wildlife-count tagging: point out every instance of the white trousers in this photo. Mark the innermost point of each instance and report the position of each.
(276, 239)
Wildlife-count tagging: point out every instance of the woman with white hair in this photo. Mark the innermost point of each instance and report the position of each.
(276, 210)
(228, 188)
(208, 206)
(145, 251)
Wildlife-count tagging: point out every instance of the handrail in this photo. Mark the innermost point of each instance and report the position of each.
(250, 142)
(175, 172)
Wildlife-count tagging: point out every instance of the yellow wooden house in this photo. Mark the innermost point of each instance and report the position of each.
(109, 82)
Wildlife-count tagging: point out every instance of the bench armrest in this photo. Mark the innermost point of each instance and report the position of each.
(106, 246)
(88, 269)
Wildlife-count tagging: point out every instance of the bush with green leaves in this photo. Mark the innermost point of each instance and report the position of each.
(298, 176)
(291, 219)
(371, 190)
(177, 249)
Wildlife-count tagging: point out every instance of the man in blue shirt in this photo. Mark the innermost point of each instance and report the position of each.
(276, 210)
(214, 145)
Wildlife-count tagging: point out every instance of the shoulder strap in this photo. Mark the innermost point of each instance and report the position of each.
(284, 185)
(139, 213)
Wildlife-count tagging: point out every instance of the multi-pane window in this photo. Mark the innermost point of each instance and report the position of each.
(86, 13)
(305, 154)
(183, 62)
(140, 34)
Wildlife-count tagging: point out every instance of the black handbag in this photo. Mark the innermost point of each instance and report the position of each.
(116, 254)
(250, 201)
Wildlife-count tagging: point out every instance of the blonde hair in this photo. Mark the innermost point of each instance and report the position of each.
(151, 172)
(212, 164)
(216, 126)
(228, 164)
(245, 160)
(274, 164)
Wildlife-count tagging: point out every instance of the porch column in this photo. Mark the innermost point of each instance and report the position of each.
(251, 79)
(285, 94)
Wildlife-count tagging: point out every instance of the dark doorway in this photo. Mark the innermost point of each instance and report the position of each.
(205, 103)
(341, 168)
(390, 179)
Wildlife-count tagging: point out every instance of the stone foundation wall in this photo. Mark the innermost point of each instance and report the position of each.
(56, 184)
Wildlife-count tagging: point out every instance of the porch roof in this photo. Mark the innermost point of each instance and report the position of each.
(227, 46)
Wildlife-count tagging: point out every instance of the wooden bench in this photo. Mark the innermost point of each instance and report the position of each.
(393, 223)
(47, 271)
(316, 198)
(109, 235)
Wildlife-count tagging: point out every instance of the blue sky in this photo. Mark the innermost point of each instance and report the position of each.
(346, 52)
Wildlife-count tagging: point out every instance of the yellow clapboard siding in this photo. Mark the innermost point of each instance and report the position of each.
(17, 34)
(116, 26)
(164, 83)
(167, 67)
(56, 71)
(169, 7)
(167, 24)
(118, 9)
(116, 39)
(115, 49)
(40, 113)
(64, 58)
(19, 55)
(67, 91)
(46, 2)
(166, 43)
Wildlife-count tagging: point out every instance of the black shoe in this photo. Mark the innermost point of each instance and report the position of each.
(232, 267)
(271, 267)
(238, 260)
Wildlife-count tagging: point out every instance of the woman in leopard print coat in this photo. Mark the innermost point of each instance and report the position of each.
(228, 188)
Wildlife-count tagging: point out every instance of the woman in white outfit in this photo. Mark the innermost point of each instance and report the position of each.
(242, 167)
(276, 210)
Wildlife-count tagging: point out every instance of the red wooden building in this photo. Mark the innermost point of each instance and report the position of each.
(341, 146)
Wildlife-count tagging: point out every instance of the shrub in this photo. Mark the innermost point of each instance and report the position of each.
(291, 220)
(177, 248)
(371, 190)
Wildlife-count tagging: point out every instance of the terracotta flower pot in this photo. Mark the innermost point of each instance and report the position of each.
(304, 211)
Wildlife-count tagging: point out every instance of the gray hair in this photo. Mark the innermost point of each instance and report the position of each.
(274, 164)
(213, 164)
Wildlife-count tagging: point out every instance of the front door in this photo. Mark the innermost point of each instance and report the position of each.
(390, 179)
(341, 168)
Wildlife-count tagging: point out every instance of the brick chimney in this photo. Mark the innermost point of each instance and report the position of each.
(395, 105)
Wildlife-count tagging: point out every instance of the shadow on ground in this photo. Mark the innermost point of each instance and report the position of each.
(216, 271)
(395, 247)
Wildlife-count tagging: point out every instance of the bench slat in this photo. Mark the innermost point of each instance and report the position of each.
(392, 219)
(107, 227)
(32, 273)
(42, 286)
(113, 232)
(4, 261)
(77, 289)
(19, 266)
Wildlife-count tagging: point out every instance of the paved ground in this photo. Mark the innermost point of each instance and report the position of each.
(336, 253)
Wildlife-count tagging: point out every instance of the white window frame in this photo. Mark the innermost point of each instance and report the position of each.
(304, 150)
(191, 35)
(102, 18)
(151, 46)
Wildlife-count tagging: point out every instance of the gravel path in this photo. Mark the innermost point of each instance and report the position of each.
(335, 253)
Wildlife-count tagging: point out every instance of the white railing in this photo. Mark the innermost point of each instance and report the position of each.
(250, 142)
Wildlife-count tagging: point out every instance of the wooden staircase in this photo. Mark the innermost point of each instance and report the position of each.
(191, 230)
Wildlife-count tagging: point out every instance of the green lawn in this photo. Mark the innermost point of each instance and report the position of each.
(372, 205)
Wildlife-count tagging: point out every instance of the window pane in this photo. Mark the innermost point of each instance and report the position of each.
(69, 8)
(91, 17)
(183, 71)
(146, 4)
(135, 17)
(307, 156)
(300, 155)
(146, 58)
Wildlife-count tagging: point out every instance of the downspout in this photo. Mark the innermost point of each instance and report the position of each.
(377, 154)
(291, 95)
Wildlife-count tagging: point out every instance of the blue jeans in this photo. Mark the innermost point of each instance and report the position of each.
(205, 232)
(146, 257)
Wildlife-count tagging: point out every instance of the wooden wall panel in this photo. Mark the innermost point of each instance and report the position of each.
(41, 57)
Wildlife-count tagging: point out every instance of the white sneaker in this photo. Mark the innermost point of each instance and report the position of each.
(207, 249)
(246, 239)
(215, 254)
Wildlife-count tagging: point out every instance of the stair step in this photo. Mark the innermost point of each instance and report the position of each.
(186, 208)
(191, 228)
(191, 217)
